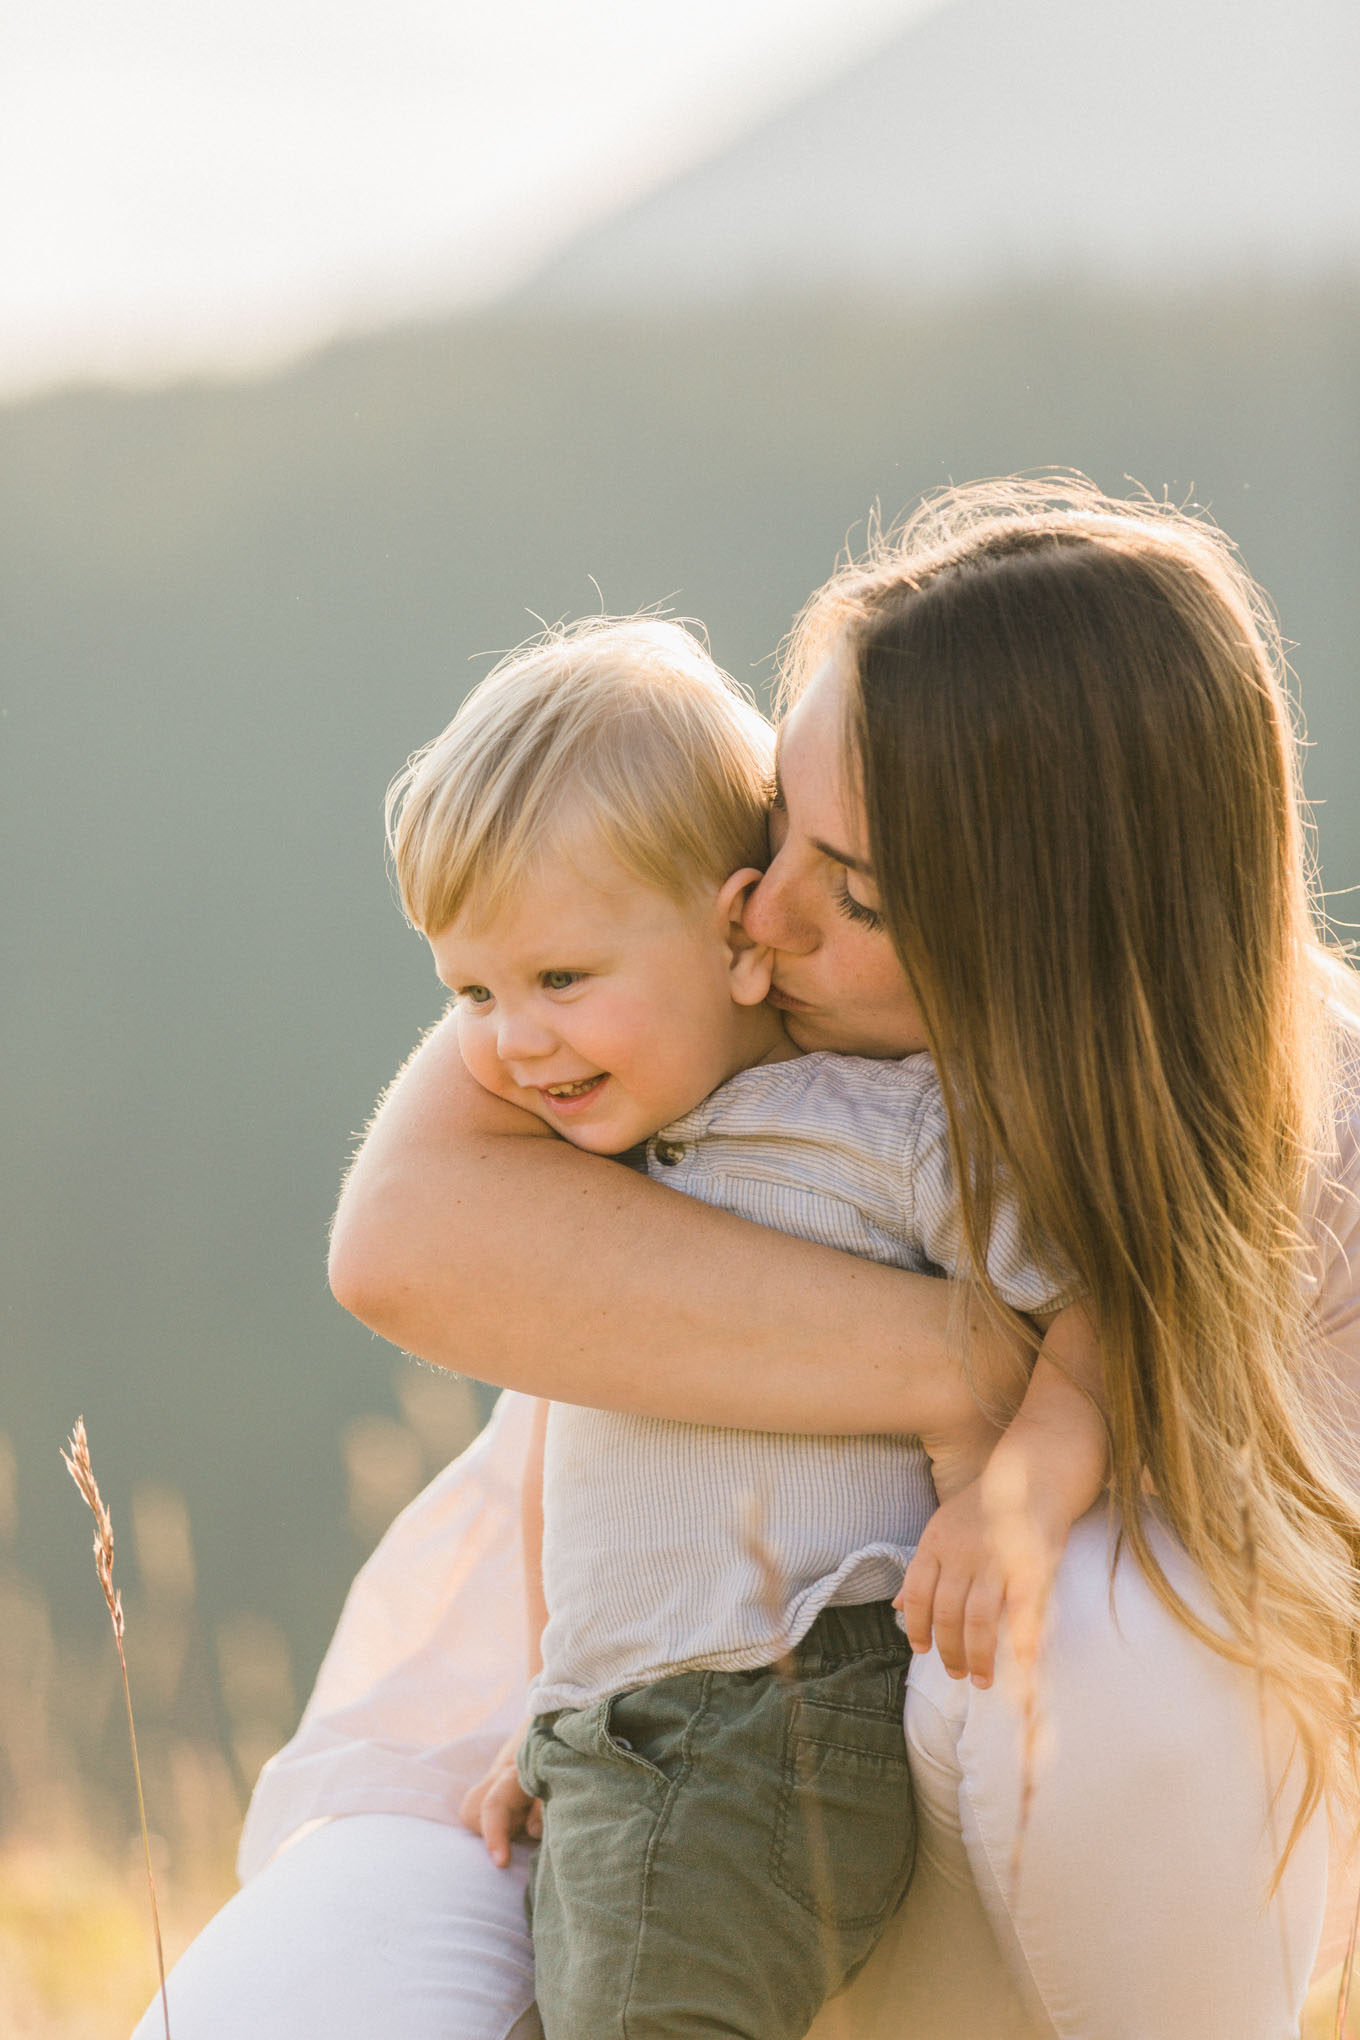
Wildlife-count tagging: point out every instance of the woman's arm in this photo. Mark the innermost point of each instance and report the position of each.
(469, 1234)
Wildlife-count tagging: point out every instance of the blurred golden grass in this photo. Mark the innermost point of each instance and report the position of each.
(1319, 2017)
(78, 1464)
(213, 1701)
(76, 1961)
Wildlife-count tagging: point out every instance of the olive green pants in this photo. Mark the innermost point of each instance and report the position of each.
(721, 1850)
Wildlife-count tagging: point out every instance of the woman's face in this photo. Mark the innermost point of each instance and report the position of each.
(837, 979)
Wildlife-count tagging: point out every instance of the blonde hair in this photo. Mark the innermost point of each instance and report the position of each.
(623, 724)
(1069, 723)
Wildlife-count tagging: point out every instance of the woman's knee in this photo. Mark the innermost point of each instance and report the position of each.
(372, 1923)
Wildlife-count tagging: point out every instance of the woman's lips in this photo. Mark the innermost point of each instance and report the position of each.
(785, 1001)
(576, 1101)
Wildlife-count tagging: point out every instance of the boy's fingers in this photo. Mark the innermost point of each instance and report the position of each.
(916, 1599)
(951, 1594)
(470, 1809)
(496, 1831)
(981, 1617)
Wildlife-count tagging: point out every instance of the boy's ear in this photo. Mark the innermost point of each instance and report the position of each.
(750, 963)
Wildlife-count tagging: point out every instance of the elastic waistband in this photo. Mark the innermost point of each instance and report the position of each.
(842, 1633)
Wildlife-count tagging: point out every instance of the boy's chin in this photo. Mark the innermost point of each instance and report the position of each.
(604, 1142)
(605, 1139)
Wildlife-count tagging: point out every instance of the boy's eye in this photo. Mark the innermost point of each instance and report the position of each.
(476, 995)
(560, 980)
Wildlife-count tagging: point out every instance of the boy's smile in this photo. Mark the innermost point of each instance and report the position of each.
(602, 1005)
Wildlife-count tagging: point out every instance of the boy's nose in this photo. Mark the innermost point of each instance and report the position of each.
(521, 1038)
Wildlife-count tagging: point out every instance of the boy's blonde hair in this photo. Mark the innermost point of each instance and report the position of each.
(621, 725)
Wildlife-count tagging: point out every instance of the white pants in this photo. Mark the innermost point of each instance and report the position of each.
(1139, 1911)
(375, 1927)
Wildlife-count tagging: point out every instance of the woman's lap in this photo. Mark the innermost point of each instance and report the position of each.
(371, 1924)
(1138, 1908)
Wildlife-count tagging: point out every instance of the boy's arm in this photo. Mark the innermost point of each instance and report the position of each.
(470, 1235)
(498, 1807)
(994, 1544)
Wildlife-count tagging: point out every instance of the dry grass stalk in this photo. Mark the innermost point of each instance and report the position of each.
(78, 1465)
(1031, 1720)
(1343, 1996)
(1007, 1501)
(785, 1667)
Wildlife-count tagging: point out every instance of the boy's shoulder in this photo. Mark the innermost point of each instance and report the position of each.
(820, 1087)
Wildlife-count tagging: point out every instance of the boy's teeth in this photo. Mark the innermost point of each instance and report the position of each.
(571, 1090)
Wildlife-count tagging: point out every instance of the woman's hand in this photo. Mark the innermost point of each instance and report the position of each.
(498, 1808)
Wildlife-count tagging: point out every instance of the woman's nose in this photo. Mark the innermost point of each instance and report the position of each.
(776, 911)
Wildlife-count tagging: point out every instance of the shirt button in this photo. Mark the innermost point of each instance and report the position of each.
(669, 1152)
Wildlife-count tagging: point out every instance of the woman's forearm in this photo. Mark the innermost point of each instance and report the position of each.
(470, 1235)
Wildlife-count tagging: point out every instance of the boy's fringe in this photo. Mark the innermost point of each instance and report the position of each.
(78, 1465)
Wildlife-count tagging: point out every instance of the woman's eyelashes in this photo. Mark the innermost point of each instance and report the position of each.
(855, 910)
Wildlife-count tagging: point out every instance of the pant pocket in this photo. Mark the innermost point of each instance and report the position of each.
(653, 1726)
(845, 1836)
(646, 1729)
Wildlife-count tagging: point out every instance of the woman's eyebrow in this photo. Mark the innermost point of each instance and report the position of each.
(843, 857)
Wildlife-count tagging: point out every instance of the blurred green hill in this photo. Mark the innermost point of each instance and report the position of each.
(231, 611)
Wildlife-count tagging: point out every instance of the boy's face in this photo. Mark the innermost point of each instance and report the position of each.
(605, 1008)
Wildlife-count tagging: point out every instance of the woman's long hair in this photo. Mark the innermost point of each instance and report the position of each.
(1078, 763)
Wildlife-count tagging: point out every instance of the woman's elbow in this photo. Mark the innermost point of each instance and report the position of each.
(360, 1278)
(368, 1264)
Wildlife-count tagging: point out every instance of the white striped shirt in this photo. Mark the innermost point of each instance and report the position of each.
(669, 1546)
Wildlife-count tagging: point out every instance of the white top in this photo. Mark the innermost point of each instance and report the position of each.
(668, 1546)
(427, 1674)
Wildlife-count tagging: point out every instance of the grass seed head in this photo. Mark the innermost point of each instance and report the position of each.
(77, 1462)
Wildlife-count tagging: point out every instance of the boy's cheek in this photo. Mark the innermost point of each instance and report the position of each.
(484, 1065)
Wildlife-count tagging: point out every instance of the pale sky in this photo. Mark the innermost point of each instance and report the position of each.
(188, 186)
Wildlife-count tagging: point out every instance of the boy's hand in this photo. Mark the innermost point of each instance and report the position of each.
(993, 1546)
(988, 1550)
(498, 1808)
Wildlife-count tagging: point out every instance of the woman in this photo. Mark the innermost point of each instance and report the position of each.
(1038, 814)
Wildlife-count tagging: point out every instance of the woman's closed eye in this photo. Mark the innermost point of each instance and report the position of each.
(856, 910)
